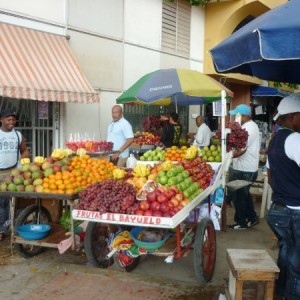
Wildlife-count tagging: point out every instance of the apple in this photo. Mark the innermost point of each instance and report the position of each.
(162, 198)
(151, 196)
(172, 213)
(185, 202)
(175, 188)
(144, 205)
(139, 212)
(179, 196)
(166, 214)
(169, 193)
(148, 212)
(155, 206)
(171, 205)
(180, 206)
(164, 207)
(162, 188)
(174, 201)
(157, 213)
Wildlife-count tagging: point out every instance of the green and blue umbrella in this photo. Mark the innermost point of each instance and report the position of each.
(178, 86)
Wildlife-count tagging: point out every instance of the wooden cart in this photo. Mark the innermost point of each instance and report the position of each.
(38, 214)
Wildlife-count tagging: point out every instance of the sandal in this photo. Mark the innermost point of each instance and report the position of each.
(2, 236)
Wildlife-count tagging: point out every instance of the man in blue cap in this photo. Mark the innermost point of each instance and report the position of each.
(245, 167)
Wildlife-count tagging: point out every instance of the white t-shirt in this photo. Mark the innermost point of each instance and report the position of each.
(118, 132)
(203, 136)
(9, 148)
(248, 162)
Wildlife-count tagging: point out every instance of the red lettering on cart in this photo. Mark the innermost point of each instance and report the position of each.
(158, 220)
(111, 217)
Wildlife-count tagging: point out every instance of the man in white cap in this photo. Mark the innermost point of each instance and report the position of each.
(245, 167)
(283, 168)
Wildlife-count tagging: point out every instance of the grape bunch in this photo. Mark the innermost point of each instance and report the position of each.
(115, 196)
(152, 124)
(235, 140)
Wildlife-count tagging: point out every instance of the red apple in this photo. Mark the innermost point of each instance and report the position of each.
(139, 212)
(172, 213)
(144, 205)
(171, 205)
(151, 196)
(166, 214)
(155, 206)
(180, 206)
(164, 207)
(157, 213)
(162, 198)
(148, 212)
(169, 193)
(175, 188)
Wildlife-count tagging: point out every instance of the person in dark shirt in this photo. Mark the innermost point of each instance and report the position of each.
(283, 168)
(171, 132)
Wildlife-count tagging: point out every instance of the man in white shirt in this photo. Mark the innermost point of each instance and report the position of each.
(245, 167)
(121, 135)
(203, 135)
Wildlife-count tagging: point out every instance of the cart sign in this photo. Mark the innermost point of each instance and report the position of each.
(118, 218)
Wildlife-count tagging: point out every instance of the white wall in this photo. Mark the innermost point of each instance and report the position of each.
(115, 43)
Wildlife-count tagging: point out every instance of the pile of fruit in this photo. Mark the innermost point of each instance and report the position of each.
(90, 146)
(59, 174)
(212, 153)
(236, 139)
(145, 138)
(158, 154)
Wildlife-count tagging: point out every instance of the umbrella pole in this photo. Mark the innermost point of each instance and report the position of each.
(223, 136)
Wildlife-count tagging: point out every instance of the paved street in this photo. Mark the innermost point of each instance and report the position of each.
(51, 275)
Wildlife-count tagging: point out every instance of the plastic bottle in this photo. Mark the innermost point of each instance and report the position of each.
(131, 161)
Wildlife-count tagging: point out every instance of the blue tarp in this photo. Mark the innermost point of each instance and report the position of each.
(264, 91)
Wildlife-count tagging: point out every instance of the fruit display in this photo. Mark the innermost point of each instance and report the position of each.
(152, 124)
(90, 146)
(175, 153)
(158, 154)
(212, 153)
(179, 177)
(145, 138)
(141, 170)
(109, 196)
(65, 176)
(192, 152)
(236, 139)
(162, 202)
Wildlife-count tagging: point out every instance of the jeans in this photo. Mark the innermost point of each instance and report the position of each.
(285, 223)
(241, 198)
(4, 213)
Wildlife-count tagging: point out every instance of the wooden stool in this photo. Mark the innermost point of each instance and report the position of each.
(250, 265)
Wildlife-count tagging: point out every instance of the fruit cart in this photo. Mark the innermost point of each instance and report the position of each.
(184, 233)
(38, 214)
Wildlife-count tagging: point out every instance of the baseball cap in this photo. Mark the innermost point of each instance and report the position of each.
(243, 109)
(289, 104)
(8, 113)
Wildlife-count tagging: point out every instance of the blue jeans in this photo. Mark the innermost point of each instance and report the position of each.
(4, 213)
(241, 198)
(285, 223)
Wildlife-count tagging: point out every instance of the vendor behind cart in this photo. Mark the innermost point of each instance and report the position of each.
(121, 135)
(12, 149)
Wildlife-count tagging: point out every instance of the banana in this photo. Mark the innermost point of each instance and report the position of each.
(192, 152)
(141, 170)
(118, 173)
(58, 154)
(25, 161)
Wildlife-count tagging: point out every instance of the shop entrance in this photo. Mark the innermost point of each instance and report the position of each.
(38, 121)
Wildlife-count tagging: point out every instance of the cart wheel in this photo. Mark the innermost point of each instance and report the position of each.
(96, 245)
(205, 250)
(126, 262)
(33, 214)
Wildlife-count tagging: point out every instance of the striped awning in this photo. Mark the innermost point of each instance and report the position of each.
(40, 66)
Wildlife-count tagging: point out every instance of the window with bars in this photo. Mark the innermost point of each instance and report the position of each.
(176, 27)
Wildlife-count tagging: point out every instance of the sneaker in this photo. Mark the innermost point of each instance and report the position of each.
(253, 223)
(237, 226)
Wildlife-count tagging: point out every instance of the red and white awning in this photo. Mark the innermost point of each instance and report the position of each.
(40, 66)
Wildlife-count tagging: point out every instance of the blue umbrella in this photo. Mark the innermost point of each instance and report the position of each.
(267, 47)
